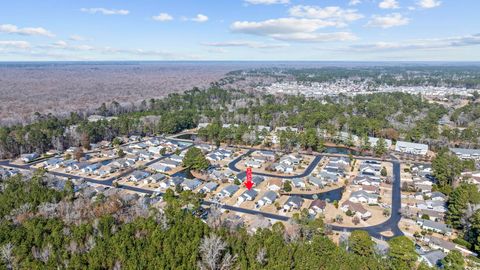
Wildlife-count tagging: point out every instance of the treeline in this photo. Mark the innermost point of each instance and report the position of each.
(449, 76)
(464, 199)
(173, 238)
(386, 115)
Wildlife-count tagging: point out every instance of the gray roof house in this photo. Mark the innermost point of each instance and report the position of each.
(191, 184)
(297, 182)
(293, 202)
(466, 153)
(157, 177)
(268, 198)
(210, 186)
(315, 181)
(228, 191)
(434, 226)
(248, 195)
(432, 258)
(138, 175)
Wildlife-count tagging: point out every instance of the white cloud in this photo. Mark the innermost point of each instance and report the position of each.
(61, 44)
(388, 4)
(280, 26)
(163, 17)
(17, 44)
(422, 44)
(267, 2)
(200, 18)
(246, 43)
(387, 21)
(105, 11)
(428, 3)
(27, 31)
(354, 2)
(337, 14)
(316, 37)
(292, 29)
(77, 38)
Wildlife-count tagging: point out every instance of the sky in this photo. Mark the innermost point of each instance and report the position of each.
(294, 30)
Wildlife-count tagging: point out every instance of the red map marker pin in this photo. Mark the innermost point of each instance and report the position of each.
(248, 182)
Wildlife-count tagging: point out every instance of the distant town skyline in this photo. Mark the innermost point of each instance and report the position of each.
(303, 30)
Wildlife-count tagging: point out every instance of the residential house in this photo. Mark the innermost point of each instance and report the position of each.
(172, 182)
(80, 165)
(439, 244)
(155, 178)
(52, 162)
(91, 168)
(284, 168)
(370, 189)
(228, 191)
(252, 163)
(191, 184)
(268, 154)
(328, 177)
(340, 161)
(438, 196)
(202, 125)
(356, 208)
(268, 198)
(373, 142)
(411, 148)
(280, 129)
(432, 258)
(248, 195)
(106, 170)
(317, 206)
(169, 163)
(438, 227)
(176, 158)
(316, 182)
(362, 196)
(432, 215)
(437, 206)
(366, 181)
(275, 184)
(159, 167)
(297, 182)
(144, 155)
(26, 158)
(467, 153)
(138, 175)
(293, 202)
(209, 187)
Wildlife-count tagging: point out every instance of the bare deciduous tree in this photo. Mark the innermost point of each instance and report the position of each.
(6, 251)
(261, 256)
(214, 255)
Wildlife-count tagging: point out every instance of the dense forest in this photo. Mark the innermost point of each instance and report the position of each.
(111, 233)
(408, 75)
(388, 115)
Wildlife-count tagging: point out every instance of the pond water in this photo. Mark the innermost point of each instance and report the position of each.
(189, 136)
(341, 150)
(329, 196)
(184, 173)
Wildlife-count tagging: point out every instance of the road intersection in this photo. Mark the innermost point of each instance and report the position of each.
(390, 225)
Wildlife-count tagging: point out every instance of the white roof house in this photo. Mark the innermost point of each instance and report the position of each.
(411, 148)
(466, 153)
(373, 141)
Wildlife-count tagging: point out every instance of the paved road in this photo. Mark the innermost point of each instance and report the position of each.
(233, 166)
(389, 225)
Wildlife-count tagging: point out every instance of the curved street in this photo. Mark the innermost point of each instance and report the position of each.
(375, 231)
